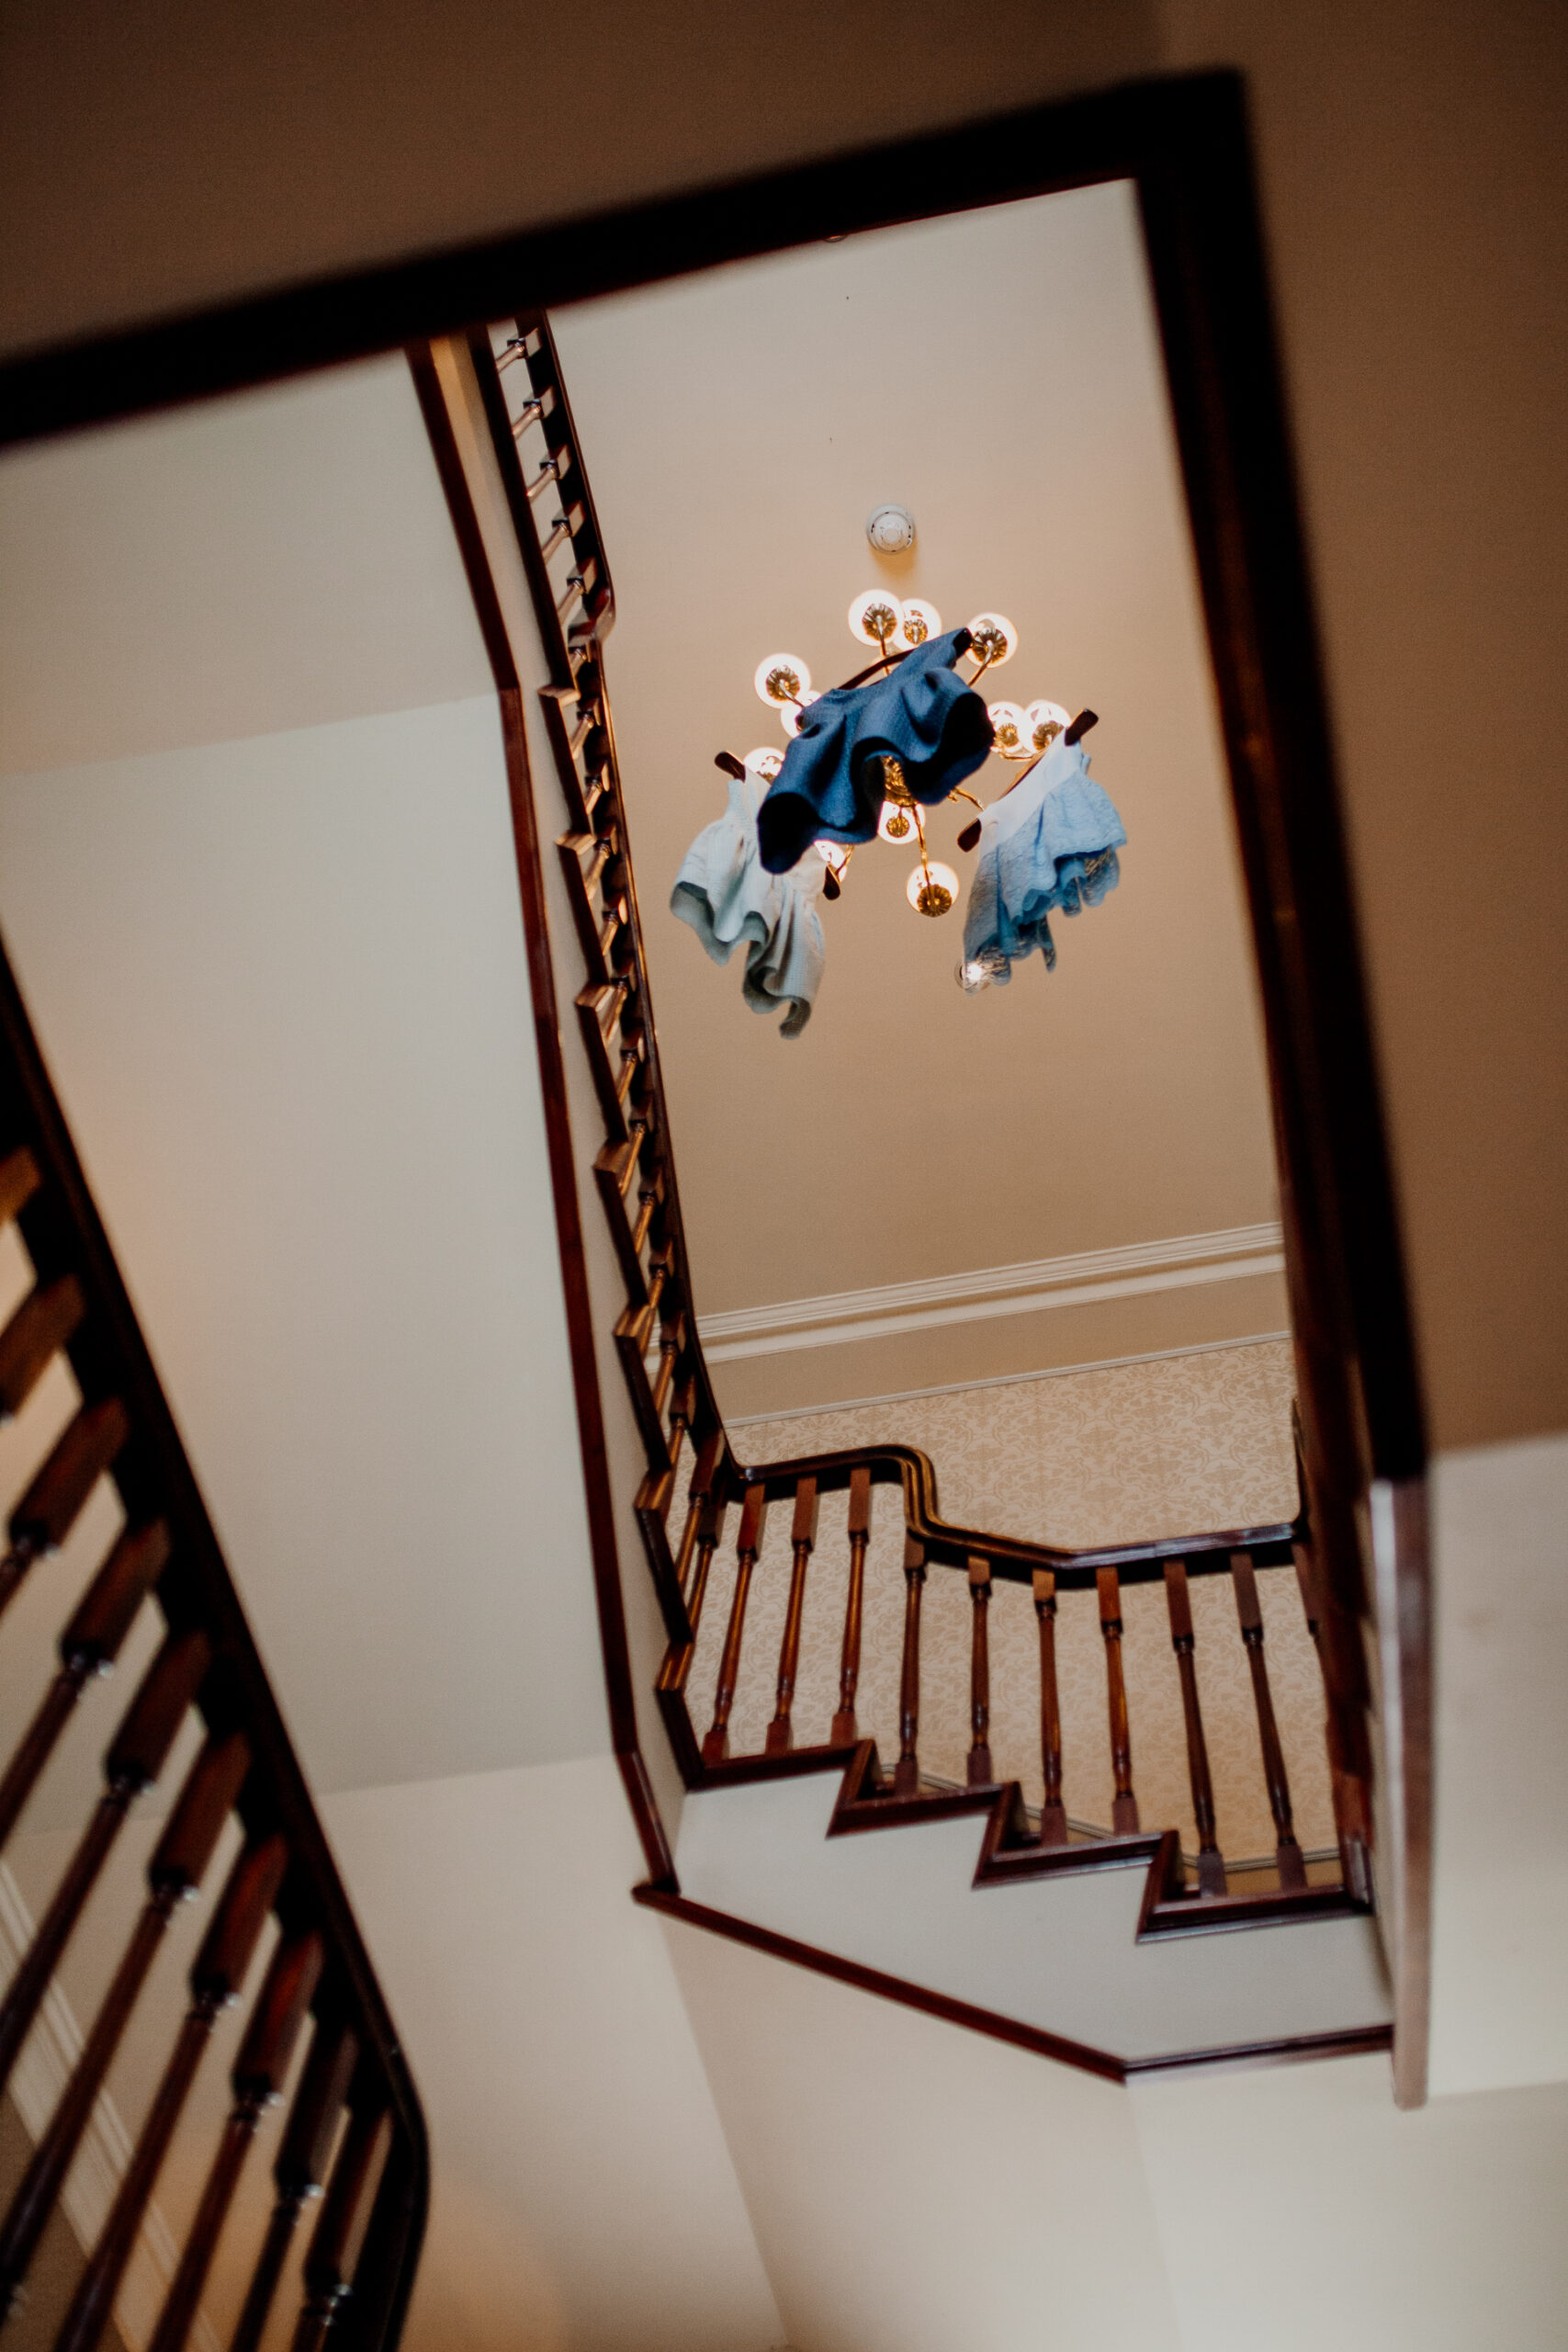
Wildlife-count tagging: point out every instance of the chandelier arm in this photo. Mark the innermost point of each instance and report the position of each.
(872, 669)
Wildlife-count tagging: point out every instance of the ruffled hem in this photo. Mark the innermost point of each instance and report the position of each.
(1049, 849)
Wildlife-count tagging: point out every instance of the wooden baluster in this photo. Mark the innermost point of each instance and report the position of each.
(1292, 1870)
(88, 1648)
(1125, 1805)
(20, 1179)
(709, 1455)
(844, 1732)
(680, 1412)
(346, 2213)
(299, 2169)
(979, 1770)
(802, 1536)
(1352, 1814)
(136, 1756)
(48, 1510)
(258, 2077)
(710, 1533)
(907, 1777)
(715, 1746)
(709, 1524)
(671, 1339)
(34, 1335)
(1052, 1812)
(176, 1872)
(636, 1324)
(215, 1980)
(1179, 1602)
(651, 1200)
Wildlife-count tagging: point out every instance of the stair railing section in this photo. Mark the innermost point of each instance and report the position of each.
(280, 1936)
(682, 1431)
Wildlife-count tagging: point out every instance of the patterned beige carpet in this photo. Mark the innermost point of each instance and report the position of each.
(1157, 1449)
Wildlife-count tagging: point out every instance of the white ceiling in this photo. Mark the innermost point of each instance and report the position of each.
(998, 373)
(273, 560)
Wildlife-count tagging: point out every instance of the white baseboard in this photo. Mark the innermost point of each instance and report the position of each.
(1088, 1278)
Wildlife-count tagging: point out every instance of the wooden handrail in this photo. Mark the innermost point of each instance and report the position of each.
(163, 1563)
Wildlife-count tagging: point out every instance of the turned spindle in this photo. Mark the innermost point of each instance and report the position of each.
(907, 1776)
(1179, 1603)
(1125, 1805)
(1249, 1613)
(715, 1746)
(845, 1730)
(1052, 1812)
(803, 1536)
(979, 1772)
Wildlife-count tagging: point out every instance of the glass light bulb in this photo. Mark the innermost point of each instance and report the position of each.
(876, 618)
(1045, 721)
(932, 889)
(920, 621)
(895, 824)
(995, 638)
(766, 760)
(983, 973)
(1011, 729)
(782, 678)
(791, 714)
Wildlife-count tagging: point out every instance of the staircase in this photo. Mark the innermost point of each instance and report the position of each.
(1105, 1945)
(108, 1541)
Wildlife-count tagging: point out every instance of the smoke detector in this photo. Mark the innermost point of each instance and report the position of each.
(891, 530)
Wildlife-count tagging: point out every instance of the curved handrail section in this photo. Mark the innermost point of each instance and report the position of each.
(947, 1544)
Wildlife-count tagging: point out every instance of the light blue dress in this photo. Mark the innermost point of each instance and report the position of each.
(1049, 845)
(723, 893)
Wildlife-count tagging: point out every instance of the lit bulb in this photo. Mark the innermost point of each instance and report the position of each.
(894, 824)
(994, 639)
(1011, 729)
(932, 889)
(983, 973)
(1043, 722)
(765, 762)
(920, 621)
(791, 714)
(876, 618)
(782, 678)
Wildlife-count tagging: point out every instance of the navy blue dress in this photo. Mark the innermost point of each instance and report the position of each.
(829, 787)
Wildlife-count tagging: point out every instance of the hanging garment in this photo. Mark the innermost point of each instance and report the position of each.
(829, 787)
(723, 892)
(1047, 846)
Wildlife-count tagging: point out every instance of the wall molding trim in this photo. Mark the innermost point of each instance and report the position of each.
(1085, 1279)
(1001, 1380)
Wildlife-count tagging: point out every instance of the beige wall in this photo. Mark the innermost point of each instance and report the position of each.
(1412, 170)
(998, 372)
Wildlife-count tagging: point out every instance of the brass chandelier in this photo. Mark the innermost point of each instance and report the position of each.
(1021, 732)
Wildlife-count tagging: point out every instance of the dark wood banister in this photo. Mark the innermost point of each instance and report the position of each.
(167, 1557)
